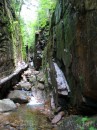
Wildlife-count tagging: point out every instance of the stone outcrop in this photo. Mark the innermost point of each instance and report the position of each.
(75, 122)
(41, 38)
(18, 96)
(10, 40)
(23, 85)
(73, 43)
(8, 82)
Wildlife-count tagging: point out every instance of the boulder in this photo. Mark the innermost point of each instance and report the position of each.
(40, 86)
(40, 77)
(23, 86)
(32, 79)
(7, 105)
(19, 96)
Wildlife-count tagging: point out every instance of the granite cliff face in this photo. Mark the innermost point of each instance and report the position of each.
(73, 43)
(10, 40)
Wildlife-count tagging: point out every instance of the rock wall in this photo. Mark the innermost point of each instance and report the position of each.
(73, 42)
(41, 39)
(10, 46)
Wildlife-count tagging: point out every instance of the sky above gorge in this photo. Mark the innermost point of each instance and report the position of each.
(29, 10)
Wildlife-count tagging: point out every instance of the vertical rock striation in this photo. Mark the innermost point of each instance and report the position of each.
(10, 45)
(73, 42)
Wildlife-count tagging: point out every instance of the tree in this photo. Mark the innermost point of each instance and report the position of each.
(46, 8)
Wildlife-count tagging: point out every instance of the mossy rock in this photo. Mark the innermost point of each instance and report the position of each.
(78, 123)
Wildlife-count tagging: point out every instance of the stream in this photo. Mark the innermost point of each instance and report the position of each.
(24, 118)
(27, 116)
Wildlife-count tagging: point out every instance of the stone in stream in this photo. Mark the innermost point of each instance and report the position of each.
(32, 79)
(58, 117)
(23, 86)
(40, 77)
(28, 72)
(19, 96)
(7, 105)
(40, 86)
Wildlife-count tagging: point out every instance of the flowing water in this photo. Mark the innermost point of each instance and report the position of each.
(25, 118)
(31, 116)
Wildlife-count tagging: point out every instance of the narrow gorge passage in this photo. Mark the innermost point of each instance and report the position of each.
(48, 65)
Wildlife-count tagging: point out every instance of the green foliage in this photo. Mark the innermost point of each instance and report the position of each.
(11, 26)
(16, 5)
(86, 122)
(84, 119)
(46, 7)
(28, 33)
(92, 128)
(27, 29)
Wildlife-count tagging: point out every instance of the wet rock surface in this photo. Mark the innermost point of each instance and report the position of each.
(24, 119)
(39, 94)
(31, 112)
